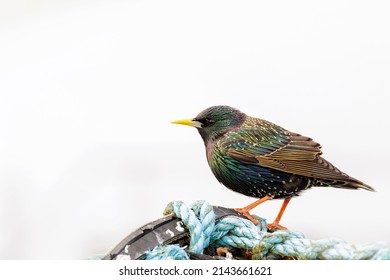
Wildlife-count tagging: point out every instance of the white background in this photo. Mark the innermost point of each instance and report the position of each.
(88, 90)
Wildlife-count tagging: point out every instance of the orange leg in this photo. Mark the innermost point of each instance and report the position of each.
(275, 224)
(246, 209)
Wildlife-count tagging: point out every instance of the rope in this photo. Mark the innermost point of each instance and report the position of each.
(192, 222)
(295, 245)
(206, 215)
(167, 252)
(235, 232)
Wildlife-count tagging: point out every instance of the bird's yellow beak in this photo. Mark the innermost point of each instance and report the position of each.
(189, 123)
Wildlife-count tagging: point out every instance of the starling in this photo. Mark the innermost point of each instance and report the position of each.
(263, 160)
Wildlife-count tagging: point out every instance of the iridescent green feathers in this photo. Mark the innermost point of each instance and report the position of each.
(244, 140)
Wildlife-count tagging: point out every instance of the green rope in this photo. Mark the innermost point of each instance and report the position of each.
(238, 233)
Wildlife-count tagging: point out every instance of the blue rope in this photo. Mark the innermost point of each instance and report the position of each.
(167, 252)
(191, 221)
(206, 215)
(236, 232)
(295, 245)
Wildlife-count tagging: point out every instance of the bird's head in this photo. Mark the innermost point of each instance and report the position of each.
(215, 121)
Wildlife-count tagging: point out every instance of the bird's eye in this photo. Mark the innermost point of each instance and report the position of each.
(208, 121)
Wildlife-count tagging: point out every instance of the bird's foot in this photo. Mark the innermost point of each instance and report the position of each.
(275, 225)
(245, 212)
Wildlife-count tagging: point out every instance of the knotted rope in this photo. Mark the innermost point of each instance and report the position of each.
(235, 232)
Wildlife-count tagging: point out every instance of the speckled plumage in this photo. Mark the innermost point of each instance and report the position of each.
(258, 158)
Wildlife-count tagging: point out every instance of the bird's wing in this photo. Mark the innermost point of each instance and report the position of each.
(276, 148)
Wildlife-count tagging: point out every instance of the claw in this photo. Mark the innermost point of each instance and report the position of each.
(246, 214)
(275, 225)
(271, 227)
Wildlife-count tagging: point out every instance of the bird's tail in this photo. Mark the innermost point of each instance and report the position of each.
(350, 183)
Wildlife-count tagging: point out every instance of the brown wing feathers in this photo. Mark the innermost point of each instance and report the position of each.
(301, 156)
